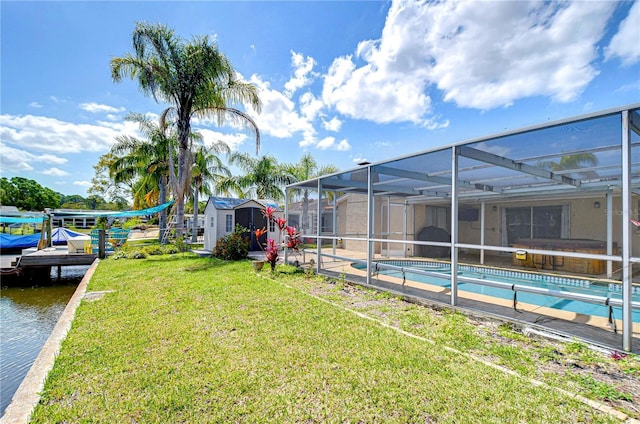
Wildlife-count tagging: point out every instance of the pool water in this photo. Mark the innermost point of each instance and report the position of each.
(442, 277)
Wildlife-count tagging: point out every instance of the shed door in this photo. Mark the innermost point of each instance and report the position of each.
(252, 219)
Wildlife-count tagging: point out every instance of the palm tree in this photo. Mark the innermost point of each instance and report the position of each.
(150, 160)
(195, 78)
(263, 177)
(207, 166)
(306, 169)
(575, 161)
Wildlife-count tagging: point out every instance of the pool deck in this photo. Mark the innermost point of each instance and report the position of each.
(594, 330)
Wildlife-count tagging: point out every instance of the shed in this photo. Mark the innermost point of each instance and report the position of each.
(222, 214)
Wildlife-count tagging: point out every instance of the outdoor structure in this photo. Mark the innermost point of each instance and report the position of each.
(222, 214)
(304, 215)
(543, 219)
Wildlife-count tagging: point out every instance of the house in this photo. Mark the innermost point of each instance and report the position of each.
(550, 203)
(222, 214)
(304, 215)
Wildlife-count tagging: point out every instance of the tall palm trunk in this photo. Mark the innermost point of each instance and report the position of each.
(162, 199)
(183, 154)
(194, 236)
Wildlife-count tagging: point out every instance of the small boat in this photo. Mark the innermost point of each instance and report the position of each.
(59, 236)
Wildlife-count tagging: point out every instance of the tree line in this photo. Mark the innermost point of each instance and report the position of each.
(29, 195)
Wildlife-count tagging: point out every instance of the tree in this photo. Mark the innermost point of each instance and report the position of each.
(306, 169)
(206, 167)
(74, 201)
(103, 185)
(575, 161)
(195, 78)
(263, 176)
(27, 194)
(150, 160)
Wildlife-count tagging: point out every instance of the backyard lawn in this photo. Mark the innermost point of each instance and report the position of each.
(179, 338)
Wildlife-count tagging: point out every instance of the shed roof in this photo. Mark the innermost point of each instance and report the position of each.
(230, 203)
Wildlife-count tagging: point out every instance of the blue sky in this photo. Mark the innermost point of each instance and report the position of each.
(345, 81)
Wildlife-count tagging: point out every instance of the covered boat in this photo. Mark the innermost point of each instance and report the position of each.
(59, 236)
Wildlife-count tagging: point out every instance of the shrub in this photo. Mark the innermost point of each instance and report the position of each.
(233, 246)
(154, 250)
(128, 254)
(170, 249)
(137, 255)
(134, 224)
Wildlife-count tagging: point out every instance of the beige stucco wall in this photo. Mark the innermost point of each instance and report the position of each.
(352, 221)
(586, 221)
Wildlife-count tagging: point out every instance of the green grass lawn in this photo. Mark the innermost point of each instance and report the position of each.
(188, 339)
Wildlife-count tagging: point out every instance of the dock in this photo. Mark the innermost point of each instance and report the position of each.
(40, 261)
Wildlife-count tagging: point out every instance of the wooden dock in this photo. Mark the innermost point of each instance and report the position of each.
(41, 261)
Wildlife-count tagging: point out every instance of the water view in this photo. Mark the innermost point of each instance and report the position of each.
(27, 317)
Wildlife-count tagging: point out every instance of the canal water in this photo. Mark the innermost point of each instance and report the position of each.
(27, 317)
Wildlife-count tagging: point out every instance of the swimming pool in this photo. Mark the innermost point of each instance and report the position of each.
(439, 274)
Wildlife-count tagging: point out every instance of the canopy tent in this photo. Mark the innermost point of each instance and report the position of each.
(61, 235)
(114, 214)
(37, 218)
(21, 220)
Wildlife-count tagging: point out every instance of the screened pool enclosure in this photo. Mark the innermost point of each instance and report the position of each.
(543, 221)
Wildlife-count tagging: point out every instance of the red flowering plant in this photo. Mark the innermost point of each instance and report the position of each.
(289, 234)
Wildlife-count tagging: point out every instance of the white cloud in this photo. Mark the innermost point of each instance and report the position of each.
(479, 55)
(381, 144)
(83, 183)
(18, 160)
(303, 73)
(359, 159)
(635, 86)
(94, 107)
(41, 133)
(233, 140)
(308, 138)
(514, 50)
(279, 117)
(369, 92)
(326, 143)
(343, 146)
(51, 159)
(332, 125)
(55, 172)
(626, 43)
(310, 106)
(35, 104)
(330, 143)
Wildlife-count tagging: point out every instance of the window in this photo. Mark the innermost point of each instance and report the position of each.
(212, 222)
(543, 222)
(272, 226)
(327, 222)
(229, 223)
(294, 220)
